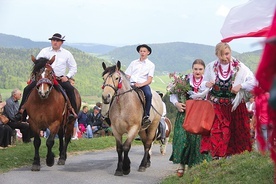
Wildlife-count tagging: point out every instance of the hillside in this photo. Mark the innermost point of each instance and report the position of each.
(10, 41)
(15, 68)
(168, 57)
(15, 62)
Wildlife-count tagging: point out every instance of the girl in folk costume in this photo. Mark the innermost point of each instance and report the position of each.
(186, 145)
(228, 80)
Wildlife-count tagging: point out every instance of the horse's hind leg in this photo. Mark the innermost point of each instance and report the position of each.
(36, 162)
(50, 155)
(146, 159)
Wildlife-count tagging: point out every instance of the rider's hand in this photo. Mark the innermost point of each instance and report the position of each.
(64, 79)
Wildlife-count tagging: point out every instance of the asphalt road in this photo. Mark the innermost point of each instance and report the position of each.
(95, 167)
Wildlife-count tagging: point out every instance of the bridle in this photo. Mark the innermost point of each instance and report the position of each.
(116, 89)
(45, 80)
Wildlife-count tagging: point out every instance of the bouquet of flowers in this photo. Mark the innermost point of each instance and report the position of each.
(179, 86)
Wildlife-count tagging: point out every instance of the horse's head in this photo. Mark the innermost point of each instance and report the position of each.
(43, 74)
(112, 81)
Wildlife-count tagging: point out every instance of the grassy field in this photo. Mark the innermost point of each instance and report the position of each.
(247, 168)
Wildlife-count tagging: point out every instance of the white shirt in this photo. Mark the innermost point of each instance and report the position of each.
(139, 71)
(63, 60)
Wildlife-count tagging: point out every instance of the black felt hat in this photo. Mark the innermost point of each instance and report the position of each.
(143, 45)
(57, 36)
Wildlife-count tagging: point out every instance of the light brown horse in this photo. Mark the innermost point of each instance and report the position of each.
(125, 111)
(47, 108)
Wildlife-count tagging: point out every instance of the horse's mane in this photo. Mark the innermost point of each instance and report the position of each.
(39, 64)
(111, 70)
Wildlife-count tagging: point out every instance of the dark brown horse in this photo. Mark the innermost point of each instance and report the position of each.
(47, 108)
(125, 111)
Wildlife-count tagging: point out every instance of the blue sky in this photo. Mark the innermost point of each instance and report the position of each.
(121, 22)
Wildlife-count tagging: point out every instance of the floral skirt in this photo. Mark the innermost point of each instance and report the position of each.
(230, 133)
(186, 146)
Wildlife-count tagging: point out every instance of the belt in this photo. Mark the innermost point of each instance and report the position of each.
(221, 100)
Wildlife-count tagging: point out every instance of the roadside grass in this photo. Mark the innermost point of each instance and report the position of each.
(22, 154)
(246, 168)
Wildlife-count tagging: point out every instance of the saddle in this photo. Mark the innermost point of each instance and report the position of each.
(141, 96)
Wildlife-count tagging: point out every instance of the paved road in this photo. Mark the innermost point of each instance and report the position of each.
(95, 167)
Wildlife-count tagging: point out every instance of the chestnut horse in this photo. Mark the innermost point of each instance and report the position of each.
(125, 110)
(47, 108)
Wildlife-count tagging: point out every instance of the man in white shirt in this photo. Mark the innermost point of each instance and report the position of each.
(63, 60)
(140, 73)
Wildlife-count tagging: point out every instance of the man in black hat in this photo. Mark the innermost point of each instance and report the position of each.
(141, 72)
(63, 60)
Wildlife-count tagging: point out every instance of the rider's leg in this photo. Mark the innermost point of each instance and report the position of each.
(147, 92)
(163, 129)
(148, 96)
(69, 89)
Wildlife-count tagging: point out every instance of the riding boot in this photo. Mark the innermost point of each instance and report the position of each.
(72, 110)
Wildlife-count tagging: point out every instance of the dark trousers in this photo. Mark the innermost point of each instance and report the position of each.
(148, 96)
(5, 135)
(24, 129)
(69, 89)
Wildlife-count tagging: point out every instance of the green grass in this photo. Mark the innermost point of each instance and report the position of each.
(251, 168)
(22, 154)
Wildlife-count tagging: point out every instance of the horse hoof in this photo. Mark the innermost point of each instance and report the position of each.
(50, 162)
(142, 169)
(61, 162)
(118, 173)
(36, 168)
(148, 165)
(126, 172)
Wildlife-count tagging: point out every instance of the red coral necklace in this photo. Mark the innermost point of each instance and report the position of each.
(224, 74)
(196, 84)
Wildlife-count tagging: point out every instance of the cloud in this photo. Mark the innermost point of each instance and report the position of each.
(222, 11)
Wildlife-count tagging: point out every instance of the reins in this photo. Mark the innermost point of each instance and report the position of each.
(116, 94)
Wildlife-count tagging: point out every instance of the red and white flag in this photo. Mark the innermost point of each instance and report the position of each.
(252, 19)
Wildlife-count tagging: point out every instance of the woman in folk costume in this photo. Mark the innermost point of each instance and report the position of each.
(186, 145)
(228, 80)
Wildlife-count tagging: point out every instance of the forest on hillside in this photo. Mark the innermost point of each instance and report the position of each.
(16, 65)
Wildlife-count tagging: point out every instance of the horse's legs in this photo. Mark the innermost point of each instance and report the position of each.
(163, 147)
(119, 149)
(36, 162)
(50, 155)
(126, 161)
(62, 150)
(146, 159)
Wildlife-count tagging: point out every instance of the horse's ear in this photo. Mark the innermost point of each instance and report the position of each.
(118, 66)
(52, 59)
(33, 58)
(103, 65)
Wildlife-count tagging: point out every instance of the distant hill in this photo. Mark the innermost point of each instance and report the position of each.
(168, 57)
(92, 48)
(10, 41)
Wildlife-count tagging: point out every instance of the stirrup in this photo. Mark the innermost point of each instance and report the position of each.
(72, 112)
(145, 123)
